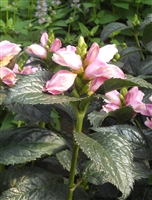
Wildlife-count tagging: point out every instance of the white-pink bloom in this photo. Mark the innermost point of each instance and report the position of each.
(44, 39)
(113, 101)
(145, 109)
(102, 69)
(148, 122)
(134, 98)
(7, 52)
(107, 52)
(37, 50)
(7, 76)
(56, 45)
(68, 58)
(60, 82)
(26, 70)
(96, 83)
(92, 53)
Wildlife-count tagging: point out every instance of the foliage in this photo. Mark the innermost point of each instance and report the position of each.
(58, 138)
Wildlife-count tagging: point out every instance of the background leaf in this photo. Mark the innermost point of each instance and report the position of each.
(27, 143)
(110, 28)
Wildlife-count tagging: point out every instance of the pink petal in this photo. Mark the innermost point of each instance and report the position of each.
(68, 58)
(56, 45)
(134, 97)
(44, 39)
(37, 50)
(107, 52)
(96, 83)
(8, 49)
(92, 53)
(60, 82)
(148, 123)
(7, 76)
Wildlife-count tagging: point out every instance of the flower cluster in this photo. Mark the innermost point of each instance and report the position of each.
(75, 4)
(133, 98)
(41, 11)
(7, 51)
(90, 69)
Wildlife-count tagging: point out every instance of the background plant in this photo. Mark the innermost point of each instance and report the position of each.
(47, 148)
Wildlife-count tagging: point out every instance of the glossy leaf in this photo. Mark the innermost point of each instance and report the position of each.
(112, 154)
(117, 83)
(35, 183)
(28, 90)
(28, 143)
(110, 28)
(145, 66)
(32, 113)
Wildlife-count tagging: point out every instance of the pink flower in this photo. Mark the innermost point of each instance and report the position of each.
(107, 52)
(99, 68)
(7, 52)
(44, 39)
(145, 109)
(26, 70)
(96, 83)
(7, 76)
(92, 53)
(37, 50)
(68, 58)
(113, 101)
(148, 122)
(134, 98)
(60, 82)
(56, 45)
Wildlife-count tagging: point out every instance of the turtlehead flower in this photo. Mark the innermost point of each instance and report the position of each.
(60, 82)
(7, 76)
(26, 70)
(44, 39)
(68, 58)
(7, 52)
(98, 69)
(146, 109)
(92, 53)
(132, 98)
(37, 50)
(56, 45)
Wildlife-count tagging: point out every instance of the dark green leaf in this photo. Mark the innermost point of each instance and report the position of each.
(131, 133)
(112, 154)
(110, 28)
(122, 115)
(32, 113)
(28, 90)
(117, 83)
(145, 67)
(147, 20)
(28, 143)
(36, 184)
(140, 170)
(131, 61)
(147, 36)
(96, 118)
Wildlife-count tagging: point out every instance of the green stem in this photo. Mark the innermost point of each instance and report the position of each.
(19, 123)
(42, 124)
(138, 44)
(79, 124)
(2, 168)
